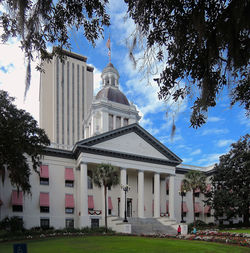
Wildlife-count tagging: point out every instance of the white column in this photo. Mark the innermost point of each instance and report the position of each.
(163, 196)
(114, 122)
(122, 194)
(83, 209)
(171, 196)
(141, 194)
(156, 195)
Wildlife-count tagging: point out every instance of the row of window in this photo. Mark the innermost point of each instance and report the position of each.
(118, 122)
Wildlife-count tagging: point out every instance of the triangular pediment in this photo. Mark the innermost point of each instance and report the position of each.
(132, 139)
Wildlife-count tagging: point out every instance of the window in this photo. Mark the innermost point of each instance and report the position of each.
(197, 194)
(184, 214)
(44, 181)
(44, 174)
(167, 191)
(69, 223)
(44, 223)
(69, 203)
(125, 121)
(17, 208)
(94, 223)
(44, 209)
(109, 211)
(69, 177)
(69, 210)
(44, 202)
(197, 214)
(90, 183)
(17, 201)
(118, 122)
(153, 185)
(127, 179)
(69, 183)
(109, 188)
(111, 122)
(208, 214)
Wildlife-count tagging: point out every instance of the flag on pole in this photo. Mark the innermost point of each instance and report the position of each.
(109, 48)
(108, 43)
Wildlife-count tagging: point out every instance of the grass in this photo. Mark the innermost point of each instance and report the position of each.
(246, 230)
(121, 244)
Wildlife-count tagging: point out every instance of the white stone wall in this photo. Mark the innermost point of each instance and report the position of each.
(57, 190)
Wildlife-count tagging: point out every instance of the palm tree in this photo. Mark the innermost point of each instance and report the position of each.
(194, 180)
(106, 175)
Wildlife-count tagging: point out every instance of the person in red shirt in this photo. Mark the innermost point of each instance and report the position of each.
(179, 230)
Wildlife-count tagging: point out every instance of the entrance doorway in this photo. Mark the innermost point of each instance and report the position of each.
(129, 207)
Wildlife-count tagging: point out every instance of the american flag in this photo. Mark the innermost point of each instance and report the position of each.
(108, 43)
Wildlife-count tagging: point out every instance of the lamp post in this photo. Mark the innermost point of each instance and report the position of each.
(125, 189)
(182, 194)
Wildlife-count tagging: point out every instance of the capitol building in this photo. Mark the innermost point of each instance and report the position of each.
(85, 131)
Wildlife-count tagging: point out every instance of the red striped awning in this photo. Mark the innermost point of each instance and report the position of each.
(110, 206)
(91, 202)
(197, 208)
(17, 198)
(69, 201)
(44, 199)
(44, 171)
(69, 174)
(185, 208)
(207, 209)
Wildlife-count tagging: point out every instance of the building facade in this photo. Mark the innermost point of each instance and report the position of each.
(86, 131)
(66, 93)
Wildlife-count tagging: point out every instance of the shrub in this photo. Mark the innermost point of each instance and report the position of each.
(13, 224)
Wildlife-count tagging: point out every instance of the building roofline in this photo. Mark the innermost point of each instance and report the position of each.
(127, 129)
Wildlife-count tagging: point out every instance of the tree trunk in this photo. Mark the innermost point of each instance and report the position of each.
(246, 217)
(105, 202)
(194, 208)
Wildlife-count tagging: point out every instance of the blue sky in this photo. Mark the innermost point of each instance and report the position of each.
(201, 147)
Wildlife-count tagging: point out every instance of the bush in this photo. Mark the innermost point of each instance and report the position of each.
(199, 224)
(13, 224)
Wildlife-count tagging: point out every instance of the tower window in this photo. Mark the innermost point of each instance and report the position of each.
(118, 122)
(111, 122)
(125, 121)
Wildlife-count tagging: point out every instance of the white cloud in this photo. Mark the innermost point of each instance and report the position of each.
(187, 160)
(196, 152)
(214, 119)
(243, 119)
(12, 79)
(208, 159)
(214, 131)
(97, 80)
(223, 143)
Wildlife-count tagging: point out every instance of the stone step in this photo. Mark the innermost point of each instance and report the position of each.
(149, 226)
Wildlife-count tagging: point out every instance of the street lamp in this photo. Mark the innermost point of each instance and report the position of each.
(182, 193)
(126, 189)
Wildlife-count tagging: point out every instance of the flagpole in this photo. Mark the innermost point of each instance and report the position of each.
(108, 45)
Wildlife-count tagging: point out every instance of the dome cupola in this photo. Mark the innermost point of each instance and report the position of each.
(110, 89)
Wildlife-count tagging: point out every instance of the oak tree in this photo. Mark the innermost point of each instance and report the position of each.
(205, 46)
(20, 140)
(230, 195)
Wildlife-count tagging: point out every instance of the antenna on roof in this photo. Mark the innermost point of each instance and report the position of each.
(108, 45)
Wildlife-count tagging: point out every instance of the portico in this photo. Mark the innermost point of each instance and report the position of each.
(146, 176)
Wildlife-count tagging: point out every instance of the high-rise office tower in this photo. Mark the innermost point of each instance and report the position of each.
(66, 93)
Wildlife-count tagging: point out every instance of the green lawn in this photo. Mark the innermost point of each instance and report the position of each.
(246, 231)
(121, 244)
